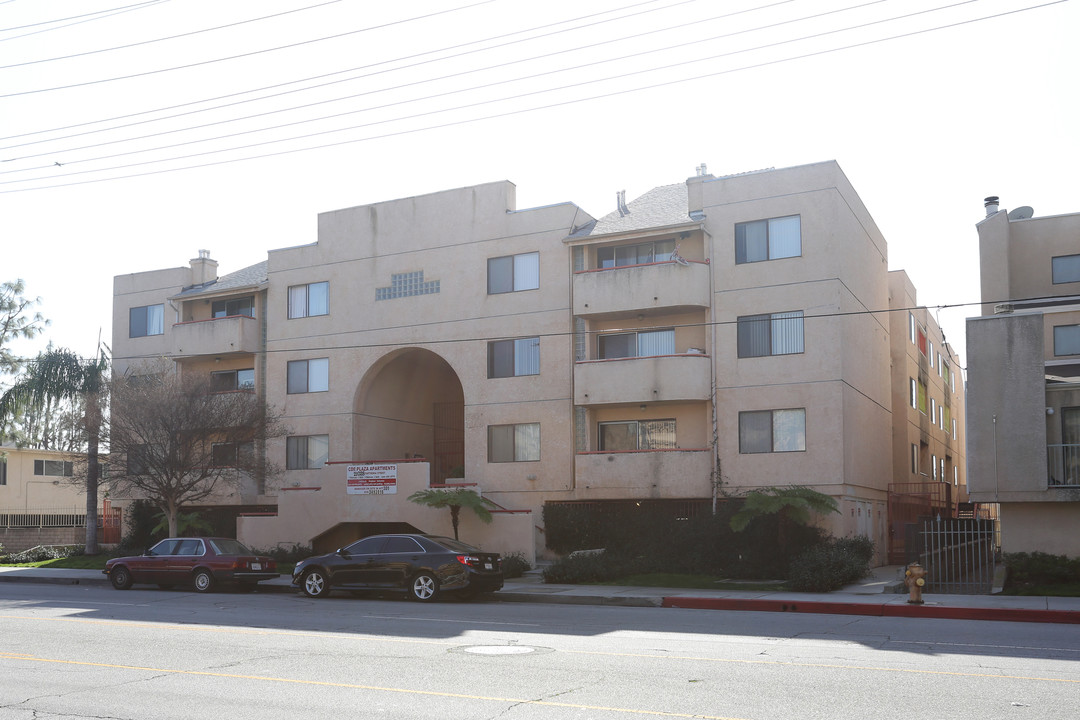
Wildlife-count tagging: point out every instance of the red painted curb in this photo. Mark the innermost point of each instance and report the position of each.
(875, 610)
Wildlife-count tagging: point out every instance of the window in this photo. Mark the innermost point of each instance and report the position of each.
(514, 443)
(513, 273)
(514, 358)
(137, 459)
(922, 398)
(307, 452)
(398, 544)
(146, 320)
(954, 429)
(930, 352)
(309, 300)
(637, 435)
(946, 417)
(933, 466)
(942, 475)
(623, 255)
(53, 468)
(944, 370)
(636, 344)
(913, 393)
(775, 334)
(3, 471)
(933, 412)
(238, 306)
(231, 454)
(308, 376)
(955, 475)
(911, 328)
(1067, 340)
(922, 341)
(768, 239)
(228, 380)
(1066, 269)
(772, 431)
(914, 459)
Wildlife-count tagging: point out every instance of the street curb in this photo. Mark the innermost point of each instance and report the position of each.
(876, 610)
(54, 580)
(613, 600)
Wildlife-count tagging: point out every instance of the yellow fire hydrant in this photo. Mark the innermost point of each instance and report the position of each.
(915, 578)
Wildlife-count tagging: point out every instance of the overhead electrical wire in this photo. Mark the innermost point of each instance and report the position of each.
(504, 114)
(101, 15)
(80, 17)
(355, 69)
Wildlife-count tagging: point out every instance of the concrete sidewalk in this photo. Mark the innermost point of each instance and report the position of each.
(874, 596)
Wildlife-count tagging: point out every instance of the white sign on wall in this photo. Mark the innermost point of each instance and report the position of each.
(371, 479)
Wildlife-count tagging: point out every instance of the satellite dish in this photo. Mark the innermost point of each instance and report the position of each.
(1021, 213)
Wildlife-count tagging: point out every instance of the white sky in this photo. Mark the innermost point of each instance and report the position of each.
(925, 126)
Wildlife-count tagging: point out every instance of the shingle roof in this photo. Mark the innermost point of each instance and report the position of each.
(251, 276)
(660, 207)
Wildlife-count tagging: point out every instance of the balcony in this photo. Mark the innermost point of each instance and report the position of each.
(668, 286)
(658, 378)
(646, 473)
(1063, 465)
(219, 336)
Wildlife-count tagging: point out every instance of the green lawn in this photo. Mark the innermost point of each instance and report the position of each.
(1058, 590)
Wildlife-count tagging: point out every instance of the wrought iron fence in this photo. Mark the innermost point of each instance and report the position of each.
(959, 555)
(42, 518)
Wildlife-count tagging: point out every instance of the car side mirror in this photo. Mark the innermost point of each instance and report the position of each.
(342, 553)
(147, 552)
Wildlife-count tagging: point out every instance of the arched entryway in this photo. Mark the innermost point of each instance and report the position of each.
(411, 404)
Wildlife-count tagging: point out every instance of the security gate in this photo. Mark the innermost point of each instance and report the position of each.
(958, 554)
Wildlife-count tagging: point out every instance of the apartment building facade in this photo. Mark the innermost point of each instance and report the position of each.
(707, 338)
(1024, 378)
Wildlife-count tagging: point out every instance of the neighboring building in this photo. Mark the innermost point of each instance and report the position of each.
(710, 337)
(39, 504)
(1024, 379)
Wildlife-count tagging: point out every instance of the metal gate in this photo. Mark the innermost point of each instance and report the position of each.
(908, 502)
(110, 522)
(958, 554)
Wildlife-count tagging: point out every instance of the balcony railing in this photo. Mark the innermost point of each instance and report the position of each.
(218, 336)
(659, 378)
(663, 285)
(651, 473)
(1063, 465)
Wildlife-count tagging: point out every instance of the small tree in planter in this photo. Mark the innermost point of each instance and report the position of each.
(455, 499)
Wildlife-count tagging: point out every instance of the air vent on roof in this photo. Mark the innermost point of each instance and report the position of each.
(1003, 309)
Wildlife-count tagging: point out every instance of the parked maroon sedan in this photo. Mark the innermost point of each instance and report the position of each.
(201, 562)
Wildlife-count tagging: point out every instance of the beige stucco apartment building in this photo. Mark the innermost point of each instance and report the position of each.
(709, 337)
(1024, 378)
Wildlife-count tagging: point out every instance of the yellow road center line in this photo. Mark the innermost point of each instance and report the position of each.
(351, 686)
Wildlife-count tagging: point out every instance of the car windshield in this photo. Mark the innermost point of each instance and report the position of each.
(452, 544)
(229, 547)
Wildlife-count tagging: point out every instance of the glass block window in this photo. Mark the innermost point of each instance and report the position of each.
(407, 284)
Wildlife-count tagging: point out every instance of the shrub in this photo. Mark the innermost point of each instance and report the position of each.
(830, 566)
(514, 565)
(287, 553)
(140, 521)
(41, 553)
(1038, 568)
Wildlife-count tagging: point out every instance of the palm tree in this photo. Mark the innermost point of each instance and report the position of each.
(63, 375)
(792, 505)
(455, 500)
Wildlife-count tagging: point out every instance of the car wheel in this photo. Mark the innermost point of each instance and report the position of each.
(165, 586)
(424, 587)
(203, 581)
(120, 577)
(315, 583)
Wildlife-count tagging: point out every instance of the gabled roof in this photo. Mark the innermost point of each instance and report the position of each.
(662, 206)
(252, 277)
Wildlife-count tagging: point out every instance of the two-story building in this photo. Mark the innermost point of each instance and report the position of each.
(709, 337)
(1024, 378)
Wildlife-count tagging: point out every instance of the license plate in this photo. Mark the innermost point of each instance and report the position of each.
(487, 566)
(256, 566)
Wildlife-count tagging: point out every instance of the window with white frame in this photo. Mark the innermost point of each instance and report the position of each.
(514, 443)
(954, 429)
(146, 320)
(513, 273)
(1067, 340)
(514, 358)
(640, 254)
(774, 334)
(235, 306)
(933, 411)
(913, 393)
(1066, 269)
(637, 435)
(307, 452)
(309, 300)
(308, 376)
(933, 466)
(643, 343)
(54, 468)
(769, 431)
(228, 380)
(771, 239)
(955, 476)
(911, 327)
(930, 352)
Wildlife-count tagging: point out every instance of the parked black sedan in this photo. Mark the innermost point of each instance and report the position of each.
(424, 566)
(201, 562)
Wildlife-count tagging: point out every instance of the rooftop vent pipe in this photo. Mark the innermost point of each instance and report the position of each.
(991, 204)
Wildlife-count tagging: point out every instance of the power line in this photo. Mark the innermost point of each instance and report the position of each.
(495, 115)
(252, 53)
(79, 17)
(101, 15)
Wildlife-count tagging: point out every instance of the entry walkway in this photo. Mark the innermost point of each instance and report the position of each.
(874, 596)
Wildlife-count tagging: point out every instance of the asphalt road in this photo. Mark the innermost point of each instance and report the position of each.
(79, 652)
